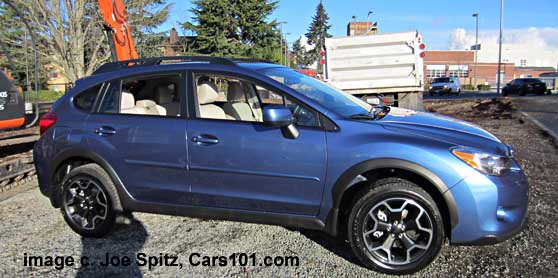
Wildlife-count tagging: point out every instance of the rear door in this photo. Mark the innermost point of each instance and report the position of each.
(243, 164)
(148, 151)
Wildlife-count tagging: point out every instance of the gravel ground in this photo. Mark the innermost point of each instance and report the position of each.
(29, 225)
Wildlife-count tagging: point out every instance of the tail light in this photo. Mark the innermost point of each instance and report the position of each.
(47, 121)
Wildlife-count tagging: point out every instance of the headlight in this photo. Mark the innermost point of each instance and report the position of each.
(445, 86)
(430, 87)
(491, 164)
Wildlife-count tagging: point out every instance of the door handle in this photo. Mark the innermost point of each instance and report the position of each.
(205, 140)
(105, 131)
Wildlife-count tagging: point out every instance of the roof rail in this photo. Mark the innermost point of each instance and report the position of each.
(113, 66)
(251, 60)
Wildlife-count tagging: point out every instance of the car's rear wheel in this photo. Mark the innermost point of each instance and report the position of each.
(395, 227)
(86, 203)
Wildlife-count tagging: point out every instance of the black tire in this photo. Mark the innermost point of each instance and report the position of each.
(404, 233)
(88, 190)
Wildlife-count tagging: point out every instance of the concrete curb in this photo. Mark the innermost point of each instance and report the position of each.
(541, 126)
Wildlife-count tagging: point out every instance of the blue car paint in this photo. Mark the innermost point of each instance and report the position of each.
(255, 168)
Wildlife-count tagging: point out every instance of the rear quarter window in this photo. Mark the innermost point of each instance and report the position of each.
(85, 100)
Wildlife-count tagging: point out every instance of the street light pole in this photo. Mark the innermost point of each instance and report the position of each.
(500, 47)
(476, 15)
(287, 50)
(281, 39)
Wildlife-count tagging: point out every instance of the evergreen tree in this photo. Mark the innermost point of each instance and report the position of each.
(300, 54)
(13, 55)
(317, 33)
(237, 28)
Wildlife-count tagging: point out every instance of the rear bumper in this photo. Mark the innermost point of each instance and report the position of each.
(491, 209)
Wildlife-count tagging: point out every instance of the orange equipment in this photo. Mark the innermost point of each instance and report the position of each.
(116, 24)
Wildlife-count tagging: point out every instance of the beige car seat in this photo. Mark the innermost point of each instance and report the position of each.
(128, 104)
(164, 96)
(149, 107)
(237, 106)
(207, 95)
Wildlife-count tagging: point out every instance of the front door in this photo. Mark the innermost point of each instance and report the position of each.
(237, 162)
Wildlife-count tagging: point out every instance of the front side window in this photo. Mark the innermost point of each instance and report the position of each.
(234, 99)
(153, 96)
(336, 100)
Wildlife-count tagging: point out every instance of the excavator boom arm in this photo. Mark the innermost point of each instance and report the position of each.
(115, 20)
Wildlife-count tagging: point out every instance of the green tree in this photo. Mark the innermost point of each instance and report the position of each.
(300, 55)
(317, 33)
(144, 18)
(16, 49)
(237, 28)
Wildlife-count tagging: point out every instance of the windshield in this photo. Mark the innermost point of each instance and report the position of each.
(334, 99)
(441, 80)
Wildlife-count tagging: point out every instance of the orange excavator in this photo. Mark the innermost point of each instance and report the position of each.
(115, 17)
(116, 25)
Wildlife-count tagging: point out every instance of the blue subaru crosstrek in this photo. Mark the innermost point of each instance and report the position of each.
(258, 142)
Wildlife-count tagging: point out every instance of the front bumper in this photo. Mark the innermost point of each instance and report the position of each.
(491, 209)
(439, 91)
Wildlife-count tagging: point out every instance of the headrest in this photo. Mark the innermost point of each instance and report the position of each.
(164, 94)
(207, 93)
(146, 103)
(235, 93)
(127, 101)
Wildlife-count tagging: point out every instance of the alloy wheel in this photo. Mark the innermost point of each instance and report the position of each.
(85, 203)
(397, 231)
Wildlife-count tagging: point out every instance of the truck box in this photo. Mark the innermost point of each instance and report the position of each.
(389, 64)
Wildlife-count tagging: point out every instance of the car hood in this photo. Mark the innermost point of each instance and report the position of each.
(444, 128)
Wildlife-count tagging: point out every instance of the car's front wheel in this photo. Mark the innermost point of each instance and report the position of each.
(87, 205)
(395, 227)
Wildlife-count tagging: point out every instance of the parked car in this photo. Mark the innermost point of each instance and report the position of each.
(524, 86)
(445, 85)
(258, 142)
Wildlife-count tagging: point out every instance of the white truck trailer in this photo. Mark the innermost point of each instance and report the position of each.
(389, 64)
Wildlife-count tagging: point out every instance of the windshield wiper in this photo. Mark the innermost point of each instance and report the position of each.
(363, 117)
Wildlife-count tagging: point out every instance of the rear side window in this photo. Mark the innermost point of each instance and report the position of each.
(85, 100)
(109, 103)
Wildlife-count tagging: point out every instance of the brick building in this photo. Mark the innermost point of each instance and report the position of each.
(461, 64)
(362, 28)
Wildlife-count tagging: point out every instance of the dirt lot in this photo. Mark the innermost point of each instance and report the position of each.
(29, 225)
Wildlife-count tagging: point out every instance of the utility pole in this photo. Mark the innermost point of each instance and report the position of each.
(476, 15)
(500, 47)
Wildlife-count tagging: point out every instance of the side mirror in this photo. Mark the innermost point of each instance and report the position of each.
(280, 116)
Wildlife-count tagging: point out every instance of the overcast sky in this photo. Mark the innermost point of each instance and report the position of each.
(441, 22)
